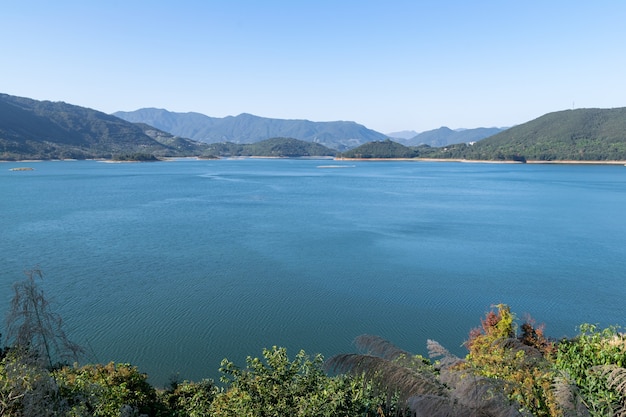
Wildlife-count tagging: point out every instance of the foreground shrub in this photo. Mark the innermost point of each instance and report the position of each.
(414, 387)
(188, 399)
(594, 363)
(26, 389)
(106, 391)
(497, 353)
(275, 386)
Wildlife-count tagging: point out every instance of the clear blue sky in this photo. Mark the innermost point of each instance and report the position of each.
(390, 65)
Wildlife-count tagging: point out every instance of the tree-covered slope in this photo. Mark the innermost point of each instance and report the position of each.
(579, 135)
(247, 128)
(285, 147)
(381, 149)
(273, 147)
(570, 135)
(31, 129)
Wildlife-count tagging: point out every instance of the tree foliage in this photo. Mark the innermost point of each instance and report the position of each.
(497, 353)
(26, 389)
(135, 157)
(188, 399)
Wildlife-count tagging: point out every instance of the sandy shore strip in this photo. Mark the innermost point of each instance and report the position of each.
(481, 161)
(579, 162)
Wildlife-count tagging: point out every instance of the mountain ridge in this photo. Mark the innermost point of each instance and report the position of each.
(249, 128)
(32, 129)
(445, 136)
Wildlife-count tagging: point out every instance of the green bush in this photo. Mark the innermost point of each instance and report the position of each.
(26, 389)
(106, 390)
(276, 387)
(587, 361)
(188, 399)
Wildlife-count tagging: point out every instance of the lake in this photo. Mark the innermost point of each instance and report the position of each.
(173, 266)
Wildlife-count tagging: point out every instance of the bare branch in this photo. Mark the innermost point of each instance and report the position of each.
(34, 328)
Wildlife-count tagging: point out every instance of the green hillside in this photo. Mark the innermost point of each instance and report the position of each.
(285, 147)
(577, 135)
(31, 129)
(570, 135)
(273, 147)
(381, 149)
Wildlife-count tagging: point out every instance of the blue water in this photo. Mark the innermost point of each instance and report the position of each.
(173, 266)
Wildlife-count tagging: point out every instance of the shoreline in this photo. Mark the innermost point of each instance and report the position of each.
(459, 160)
(486, 161)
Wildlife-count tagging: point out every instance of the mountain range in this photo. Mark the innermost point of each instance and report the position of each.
(31, 129)
(247, 128)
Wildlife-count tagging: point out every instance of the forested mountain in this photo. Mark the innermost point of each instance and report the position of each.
(579, 135)
(31, 129)
(247, 128)
(445, 136)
